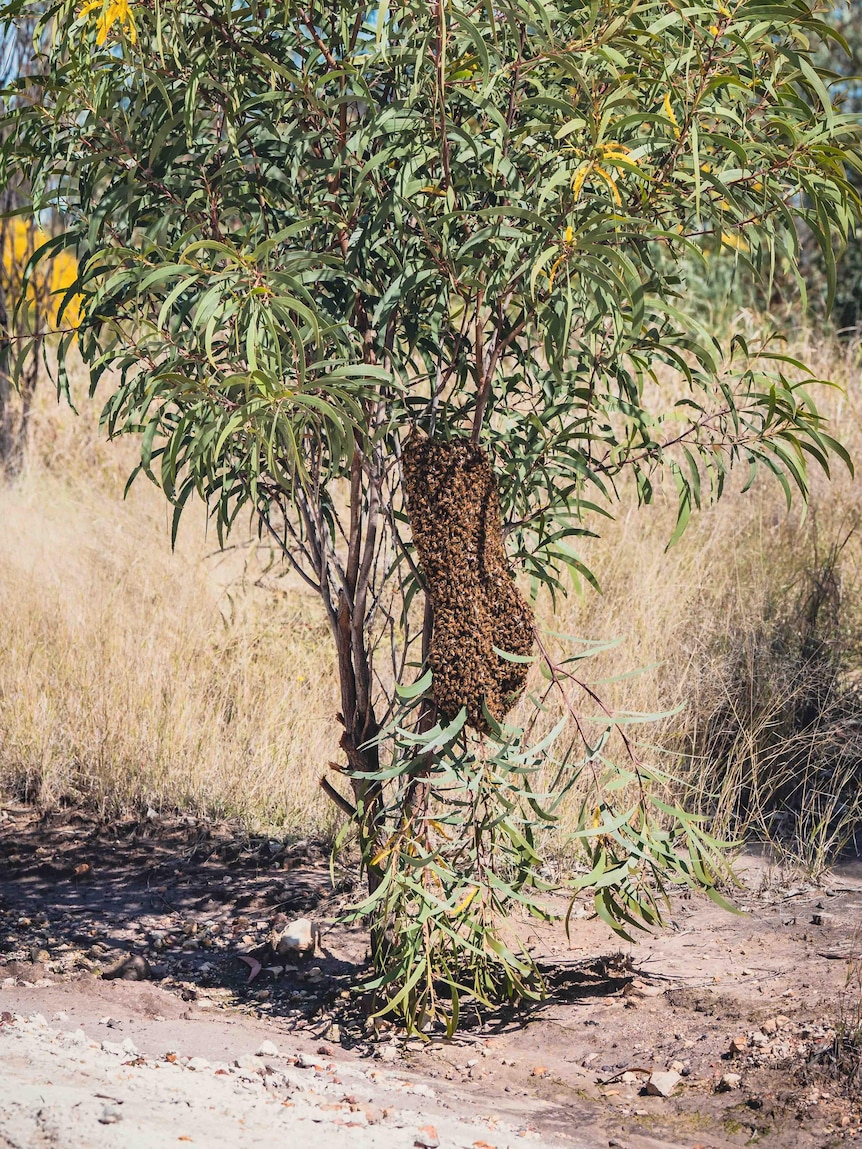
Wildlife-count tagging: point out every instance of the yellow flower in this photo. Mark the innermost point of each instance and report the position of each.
(668, 111)
(610, 181)
(722, 10)
(714, 30)
(570, 235)
(48, 281)
(112, 12)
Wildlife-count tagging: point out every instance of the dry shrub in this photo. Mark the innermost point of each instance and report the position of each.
(753, 625)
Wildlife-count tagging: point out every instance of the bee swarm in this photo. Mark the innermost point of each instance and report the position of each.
(454, 510)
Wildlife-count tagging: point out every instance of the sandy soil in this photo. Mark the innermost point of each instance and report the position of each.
(746, 1012)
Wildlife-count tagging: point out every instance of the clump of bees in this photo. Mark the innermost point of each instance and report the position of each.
(454, 509)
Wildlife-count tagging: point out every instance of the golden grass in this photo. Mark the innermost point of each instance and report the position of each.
(133, 676)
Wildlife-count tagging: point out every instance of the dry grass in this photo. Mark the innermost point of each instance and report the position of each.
(131, 676)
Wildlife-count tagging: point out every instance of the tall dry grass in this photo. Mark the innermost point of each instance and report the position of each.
(133, 676)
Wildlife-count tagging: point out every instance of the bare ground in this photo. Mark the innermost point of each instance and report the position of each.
(761, 995)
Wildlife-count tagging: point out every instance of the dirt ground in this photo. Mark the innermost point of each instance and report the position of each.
(218, 1042)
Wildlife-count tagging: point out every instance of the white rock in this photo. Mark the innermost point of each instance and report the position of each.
(114, 1048)
(729, 1081)
(662, 1083)
(267, 1049)
(297, 937)
(75, 1037)
(129, 1047)
(197, 1064)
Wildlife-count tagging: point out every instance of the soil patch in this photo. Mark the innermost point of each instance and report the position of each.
(743, 1011)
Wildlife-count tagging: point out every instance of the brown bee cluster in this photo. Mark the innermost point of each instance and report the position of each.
(454, 510)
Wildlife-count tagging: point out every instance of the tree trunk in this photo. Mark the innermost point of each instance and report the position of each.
(7, 435)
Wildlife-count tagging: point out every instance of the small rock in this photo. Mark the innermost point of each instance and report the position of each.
(129, 1047)
(298, 936)
(770, 1026)
(134, 968)
(75, 1037)
(197, 1064)
(267, 1049)
(539, 1071)
(426, 1137)
(373, 1114)
(728, 1082)
(662, 1083)
(333, 1033)
(113, 1047)
(738, 1044)
(388, 1053)
(759, 1039)
(110, 1115)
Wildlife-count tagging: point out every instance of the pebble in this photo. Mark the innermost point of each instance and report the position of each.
(297, 937)
(728, 1082)
(75, 1037)
(267, 1049)
(662, 1083)
(198, 1063)
(426, 1137)
(110, 1115)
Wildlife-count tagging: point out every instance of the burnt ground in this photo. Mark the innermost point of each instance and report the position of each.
(767, 995)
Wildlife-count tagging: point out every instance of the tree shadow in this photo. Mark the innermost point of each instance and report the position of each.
(195, 906)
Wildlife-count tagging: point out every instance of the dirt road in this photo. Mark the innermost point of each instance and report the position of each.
(724, 1030)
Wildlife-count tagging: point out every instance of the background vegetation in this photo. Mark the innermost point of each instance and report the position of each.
(131, 676)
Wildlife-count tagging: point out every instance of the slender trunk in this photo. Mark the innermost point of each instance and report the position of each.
(6, 415)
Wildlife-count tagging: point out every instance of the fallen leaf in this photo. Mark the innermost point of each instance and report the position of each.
(253, 964)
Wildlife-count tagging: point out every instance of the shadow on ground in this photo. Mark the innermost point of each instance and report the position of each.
(197, 907)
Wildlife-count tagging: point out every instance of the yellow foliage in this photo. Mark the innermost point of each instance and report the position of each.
(669, 112)
(48, 281)
(111, 12)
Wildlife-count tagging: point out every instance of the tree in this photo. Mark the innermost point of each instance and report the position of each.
(328, 251)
